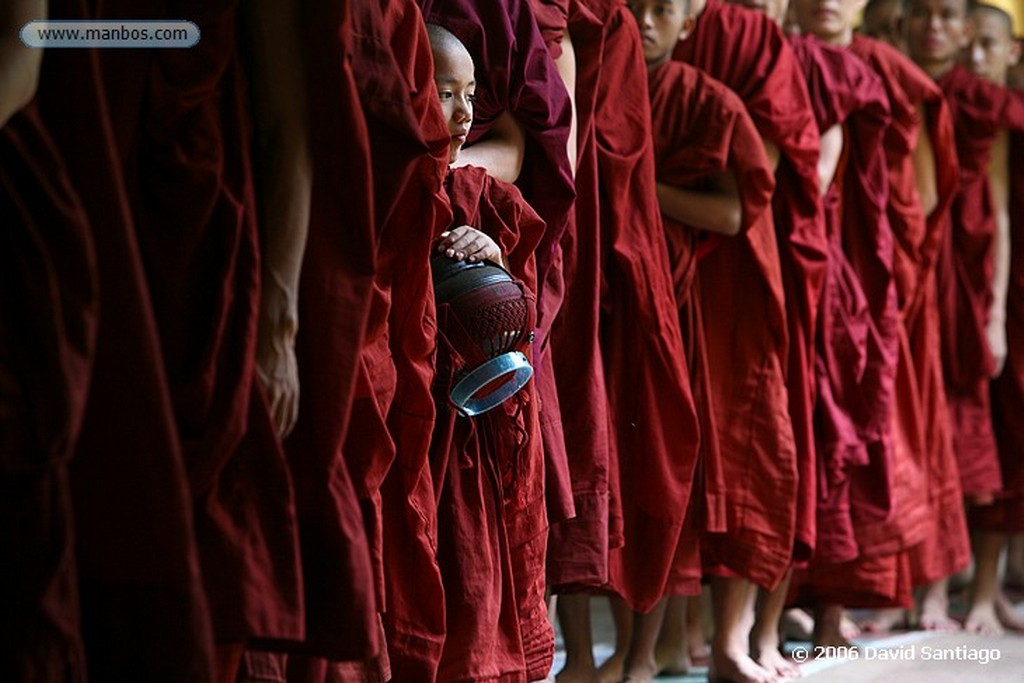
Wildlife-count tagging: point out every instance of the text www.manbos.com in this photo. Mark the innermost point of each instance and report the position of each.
(82, 34)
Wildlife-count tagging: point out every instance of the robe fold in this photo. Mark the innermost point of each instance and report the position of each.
(858, 342)
(552, 19)
(334, 300)
(701, 128)
(515, 73)
(650, 403)
(578, 551)
(1008, 389)
(980, 109)
(489, 474)
(48, 318)
(747, 51)
(143, 612)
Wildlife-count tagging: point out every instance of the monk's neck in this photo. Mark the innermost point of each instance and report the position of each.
(840, 39)
(936, 69)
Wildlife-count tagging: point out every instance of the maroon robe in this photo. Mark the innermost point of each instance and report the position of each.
(143, 614)
(552, 19)
(515, 73)
(489, 473)
(746, 51)
(701, 128)
(1008, 389)
(48, 316)
(980, 110)
(858, 342)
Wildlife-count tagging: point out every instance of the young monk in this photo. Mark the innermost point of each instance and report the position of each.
(881, 21)
(991, 54)
(868, 567)
(760, 67)
(936, 33)
(714, 177)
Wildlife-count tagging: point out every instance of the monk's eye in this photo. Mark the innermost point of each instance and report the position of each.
(445, 95)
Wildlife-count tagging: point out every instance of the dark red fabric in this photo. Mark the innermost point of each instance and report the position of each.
(489, 474)
(48, 317)
(578, 552)
(410, 143)
(858, 343)
(746, 51)
(650, 402)
(183, 132)
(552, 20)
(515, 73)
(334, 299)
(701, 128)
(1008, 389)
(143, 612)
(980, 109)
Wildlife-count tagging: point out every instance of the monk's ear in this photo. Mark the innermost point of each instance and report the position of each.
(968, 34)
(687, 29)
(1014, 53)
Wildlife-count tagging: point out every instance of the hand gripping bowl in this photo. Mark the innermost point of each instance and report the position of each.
(486, 318)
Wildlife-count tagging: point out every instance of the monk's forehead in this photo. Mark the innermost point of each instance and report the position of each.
(960, 6)
(993, 16)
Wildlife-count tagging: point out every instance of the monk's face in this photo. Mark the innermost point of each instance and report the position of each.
(662, 23)
(829, 20)
(882, 21)
(456, 86)
(936, 31)
(774, 9)
(992, 50)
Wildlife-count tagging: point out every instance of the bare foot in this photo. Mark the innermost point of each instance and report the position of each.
(797, 624)
(935, 611)
(884, 620)
(1009, 617)
(640, 672)
(848, 627)
(698, 648)
(672, 660)
(827, 632)
(772, 661)
(612, 670)
(737, 668)
(982, 620)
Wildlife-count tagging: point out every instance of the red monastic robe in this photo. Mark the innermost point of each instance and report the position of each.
(746, 51)
(515, 73)
(334, 300)
(131, 587)
(858, 343)
(1008, 389)
(915, 502)
(650, 403)
(494, 599)
(980, 109)
(48, 316)
(700, 128)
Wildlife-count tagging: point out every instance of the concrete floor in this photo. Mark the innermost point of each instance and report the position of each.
(912, 657)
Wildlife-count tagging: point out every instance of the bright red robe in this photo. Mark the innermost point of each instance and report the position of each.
(746, 51)
(859, 332)
(701, 128)
(489, 471)
(143, 612)
(980, 109)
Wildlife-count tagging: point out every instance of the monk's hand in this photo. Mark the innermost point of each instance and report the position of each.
(995, 331)
(275, 356)
(469, 244)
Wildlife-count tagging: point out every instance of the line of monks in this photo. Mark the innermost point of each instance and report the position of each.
(779, 341)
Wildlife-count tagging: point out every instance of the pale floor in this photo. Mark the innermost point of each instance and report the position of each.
(914, 657)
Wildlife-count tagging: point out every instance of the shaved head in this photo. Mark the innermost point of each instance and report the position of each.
(444, 41)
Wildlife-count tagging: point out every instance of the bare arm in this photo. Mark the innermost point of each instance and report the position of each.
(19, 65)
(566, 65)
(717, 210)
(996, 329)
(831, 152)
(924, 167)
(276, 76)
(501, 152)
